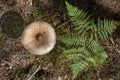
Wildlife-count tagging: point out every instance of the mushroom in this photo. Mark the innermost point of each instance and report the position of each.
(39, 38)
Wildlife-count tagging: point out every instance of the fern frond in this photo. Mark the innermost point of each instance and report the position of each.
(82, 23)
(73, 50)
(78, 66)
(76, 39)
(96, 48)
(79, 18)
(83, 50)
(104, 28)
(69, 7)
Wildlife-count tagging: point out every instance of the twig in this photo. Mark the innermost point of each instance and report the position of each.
(63, 24)
(118, 51)
(30, 78)
(6, 61)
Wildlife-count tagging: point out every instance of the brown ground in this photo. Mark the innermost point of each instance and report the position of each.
(15, 61)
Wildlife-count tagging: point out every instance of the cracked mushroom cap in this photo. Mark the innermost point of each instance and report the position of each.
(39, 38)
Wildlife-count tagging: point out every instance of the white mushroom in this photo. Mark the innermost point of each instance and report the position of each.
(39, 38)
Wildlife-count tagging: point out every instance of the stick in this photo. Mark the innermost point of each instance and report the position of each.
(6, 61)
(30, 78)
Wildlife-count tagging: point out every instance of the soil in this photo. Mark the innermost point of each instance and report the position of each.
(16, 63)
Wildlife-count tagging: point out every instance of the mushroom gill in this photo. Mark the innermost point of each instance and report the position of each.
(39, 38)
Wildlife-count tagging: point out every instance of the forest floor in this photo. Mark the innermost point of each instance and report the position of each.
(18, 64)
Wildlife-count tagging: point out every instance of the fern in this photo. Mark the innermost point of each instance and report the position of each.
(79, 18)
(83, 24)
(83, 47)
(81, 51)
(102, 29)
(72, 39)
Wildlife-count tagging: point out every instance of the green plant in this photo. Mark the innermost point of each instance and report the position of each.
(85, 53)
(84, 25)
(82, 45)
(35, 15)
(18, 75)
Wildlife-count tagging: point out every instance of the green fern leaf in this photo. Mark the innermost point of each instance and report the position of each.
(104, 28)
(82, 49)
(82, 46)
(79, 66)
(79, 18)
(72, 40)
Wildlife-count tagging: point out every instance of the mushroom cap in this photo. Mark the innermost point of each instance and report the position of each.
(39, 38)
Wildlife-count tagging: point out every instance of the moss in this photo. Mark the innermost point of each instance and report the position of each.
(18, 75)
(12, 24)
(53, 56)
(117, 74)
(88, 77)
